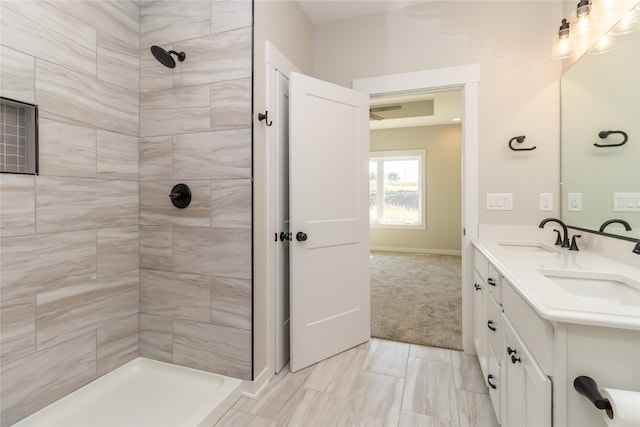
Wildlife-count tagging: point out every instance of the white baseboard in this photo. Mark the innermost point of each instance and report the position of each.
(417, 250)
(251, 389)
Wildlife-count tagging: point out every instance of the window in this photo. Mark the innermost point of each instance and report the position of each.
(396, 188)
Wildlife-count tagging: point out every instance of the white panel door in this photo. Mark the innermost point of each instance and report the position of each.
(329, 219)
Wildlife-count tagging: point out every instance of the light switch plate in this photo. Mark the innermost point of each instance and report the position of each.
(499, 201)
(574, 202)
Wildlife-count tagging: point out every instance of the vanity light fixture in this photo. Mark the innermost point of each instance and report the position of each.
(629, 23)
(563, 46)
(607, 43)
(582, 23)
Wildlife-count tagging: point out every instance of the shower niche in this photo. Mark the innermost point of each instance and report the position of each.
(18, 137)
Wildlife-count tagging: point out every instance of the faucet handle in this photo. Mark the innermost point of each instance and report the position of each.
(574, 245)
(558, 237)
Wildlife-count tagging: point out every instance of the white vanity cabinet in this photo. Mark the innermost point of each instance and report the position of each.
(487, 326)
(506, 330)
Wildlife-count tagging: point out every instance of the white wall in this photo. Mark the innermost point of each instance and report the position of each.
(284, 24)
(519, 84)
(443, 188)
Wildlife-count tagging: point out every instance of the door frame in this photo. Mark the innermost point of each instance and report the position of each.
(275, 61)
(466, 78)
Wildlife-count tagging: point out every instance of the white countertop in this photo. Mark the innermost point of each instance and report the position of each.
(521, 266)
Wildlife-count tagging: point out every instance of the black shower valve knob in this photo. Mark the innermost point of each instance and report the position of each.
(180, 196)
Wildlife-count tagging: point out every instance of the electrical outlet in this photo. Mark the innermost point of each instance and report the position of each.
(546, 201)
(575, 202)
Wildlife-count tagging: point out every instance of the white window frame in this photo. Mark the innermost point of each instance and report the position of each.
(402, 155)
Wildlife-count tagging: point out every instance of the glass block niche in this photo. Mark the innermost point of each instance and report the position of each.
(18, 137)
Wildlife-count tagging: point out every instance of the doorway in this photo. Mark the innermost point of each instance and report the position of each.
(415, 211)
(465, 78)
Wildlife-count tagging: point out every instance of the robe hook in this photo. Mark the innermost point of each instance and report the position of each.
(265, 117)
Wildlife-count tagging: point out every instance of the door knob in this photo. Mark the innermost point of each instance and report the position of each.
(301, 237)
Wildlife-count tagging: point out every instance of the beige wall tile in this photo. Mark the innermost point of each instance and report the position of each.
(17, 205)
(67, 149)
(175, 111)
(212, 155)
(64, 40)
(118, 62)
(117, 343)
(231, 203)
(120, 19)
(87, 101)
(156, 337)
(17, 75)
(226, 351)
(153, 75)
(156, 247)
(33, 382)
(31, 264)
(230, 14)
(212, 251)
(156, 207)
(231, 104)
(17, 328)
(117, 156)
(64, 204)
(231, 302)
(214, 58)
(67, 312)
(177, 295)
(156, 158)
(166, 21)
(117, 250)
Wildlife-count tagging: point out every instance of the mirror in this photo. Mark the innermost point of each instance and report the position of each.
(600, 95)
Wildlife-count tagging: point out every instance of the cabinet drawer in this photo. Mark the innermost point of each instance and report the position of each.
(535, 331)
(495, 386)
(494, 283)
(481, 264)
(493, 325)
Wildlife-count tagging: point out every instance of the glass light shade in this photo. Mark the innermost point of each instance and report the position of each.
(630, 22)
(583, 23)
(607, 43)
(602, 8)
(562, 48)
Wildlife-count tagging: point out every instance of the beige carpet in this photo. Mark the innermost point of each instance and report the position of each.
(417, 298)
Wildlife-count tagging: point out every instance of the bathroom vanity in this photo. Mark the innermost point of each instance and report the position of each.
(544, 316)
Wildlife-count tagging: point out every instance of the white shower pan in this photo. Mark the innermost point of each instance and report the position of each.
(143, 393)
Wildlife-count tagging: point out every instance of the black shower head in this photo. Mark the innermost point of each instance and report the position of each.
(165, 57)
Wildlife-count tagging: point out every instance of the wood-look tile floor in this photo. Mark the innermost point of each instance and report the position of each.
(379, 383)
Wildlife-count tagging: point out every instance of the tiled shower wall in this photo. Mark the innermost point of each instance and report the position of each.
(96, 266)
(195, 128)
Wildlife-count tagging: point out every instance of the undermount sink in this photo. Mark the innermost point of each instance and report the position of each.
(527, 246)
(600, 286)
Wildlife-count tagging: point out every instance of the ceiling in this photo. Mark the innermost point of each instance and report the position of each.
(446, 109)
(323, 11)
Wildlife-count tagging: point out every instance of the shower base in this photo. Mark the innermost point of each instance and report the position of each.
(143, 392)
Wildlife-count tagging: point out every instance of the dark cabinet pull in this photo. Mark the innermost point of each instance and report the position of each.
(510, 350)
(490, 325)
(492, 385)
(476, 287)
(491, 281)
(301, 237)
(515, 359)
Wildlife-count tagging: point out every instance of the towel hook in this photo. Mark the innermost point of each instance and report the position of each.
(520, 140)
(265, 117)
(605, 133)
